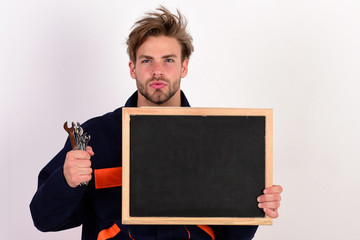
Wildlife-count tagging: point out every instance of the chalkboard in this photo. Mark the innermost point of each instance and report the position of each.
(195, 166)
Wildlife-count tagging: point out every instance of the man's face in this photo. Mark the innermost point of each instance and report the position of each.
(158, 71)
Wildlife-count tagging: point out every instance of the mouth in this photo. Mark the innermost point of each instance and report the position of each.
(158, 84)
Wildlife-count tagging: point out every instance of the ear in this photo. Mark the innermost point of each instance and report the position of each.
(184, 68)
(132, 69)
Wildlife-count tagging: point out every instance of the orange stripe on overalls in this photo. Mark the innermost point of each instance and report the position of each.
(130, 235)
(109, 233)
(188, 232)
(208, 230)
(108, 177)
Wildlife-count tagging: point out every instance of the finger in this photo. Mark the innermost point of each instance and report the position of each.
(84, 171)
(273, 189)
(86, 178)
(81, 154)
(77, 154)
(269, 198)
(273, 205)
(273, 213)
(78, 176)
(90, 150)
(83, 178)
(82, 163)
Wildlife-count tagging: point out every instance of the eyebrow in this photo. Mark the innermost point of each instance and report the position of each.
(170, 56)
(163, 57)
(145, 56)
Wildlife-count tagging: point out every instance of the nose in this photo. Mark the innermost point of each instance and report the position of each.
(157, 71)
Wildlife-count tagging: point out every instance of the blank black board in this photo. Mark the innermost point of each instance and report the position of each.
(196, 166)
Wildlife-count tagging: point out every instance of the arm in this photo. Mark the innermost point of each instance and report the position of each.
(56, 205)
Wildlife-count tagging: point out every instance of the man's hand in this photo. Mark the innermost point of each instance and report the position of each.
(270, 201)
(77, 166)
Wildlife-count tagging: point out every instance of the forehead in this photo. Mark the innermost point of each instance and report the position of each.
(159, 46)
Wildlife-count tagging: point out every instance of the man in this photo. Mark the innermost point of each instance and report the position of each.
(159, 48)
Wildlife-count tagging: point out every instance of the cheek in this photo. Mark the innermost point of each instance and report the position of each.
(143, 71)
(173, 70)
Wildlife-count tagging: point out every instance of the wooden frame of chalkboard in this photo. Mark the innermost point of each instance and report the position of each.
(195, 166)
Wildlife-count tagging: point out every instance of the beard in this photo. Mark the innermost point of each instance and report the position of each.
(158, 96)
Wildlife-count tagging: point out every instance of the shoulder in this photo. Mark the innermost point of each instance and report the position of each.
(107, 123)
(108, 118)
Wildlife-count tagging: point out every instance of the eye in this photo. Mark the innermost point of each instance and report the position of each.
(169, 60)
(145, 61)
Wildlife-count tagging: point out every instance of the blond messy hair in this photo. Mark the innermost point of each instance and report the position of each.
(161, 23)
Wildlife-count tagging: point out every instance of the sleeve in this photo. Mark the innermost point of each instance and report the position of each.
(234, 232)
(55, 205)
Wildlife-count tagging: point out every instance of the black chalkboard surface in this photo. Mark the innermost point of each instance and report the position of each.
(195, 166)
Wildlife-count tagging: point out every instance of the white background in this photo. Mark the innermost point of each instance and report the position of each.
(66, 61)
